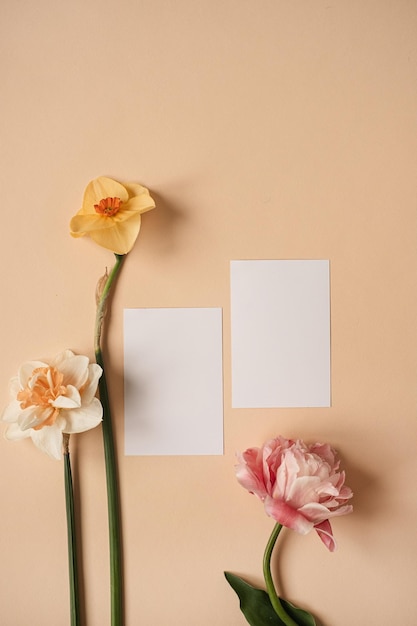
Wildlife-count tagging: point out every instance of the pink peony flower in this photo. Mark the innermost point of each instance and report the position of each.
(301, 486)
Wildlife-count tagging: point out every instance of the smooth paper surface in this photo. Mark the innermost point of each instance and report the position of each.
(173, 381)
(280, 315)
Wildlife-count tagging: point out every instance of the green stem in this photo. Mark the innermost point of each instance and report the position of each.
(273, 596)
(113, 497)
(72, 547)
(103, 297)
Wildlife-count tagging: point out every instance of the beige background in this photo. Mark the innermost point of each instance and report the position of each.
(271, 129)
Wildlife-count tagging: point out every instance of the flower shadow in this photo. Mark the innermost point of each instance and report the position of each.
(367, 489)
(162, 225)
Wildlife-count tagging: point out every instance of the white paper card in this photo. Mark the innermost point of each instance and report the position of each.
(173, 381)
(280, 314)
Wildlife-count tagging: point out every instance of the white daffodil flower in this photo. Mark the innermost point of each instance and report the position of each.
(50, 399)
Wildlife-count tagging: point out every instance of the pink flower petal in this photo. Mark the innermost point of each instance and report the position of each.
(301, 485)
(324, 531)
(287, 516)
(249, 473)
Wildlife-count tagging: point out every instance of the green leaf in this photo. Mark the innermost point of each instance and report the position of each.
(257, 608)
(254, 603)
(299, 615)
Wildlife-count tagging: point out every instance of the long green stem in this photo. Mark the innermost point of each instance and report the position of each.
(113, 497)
(72, 546)
(273, 596)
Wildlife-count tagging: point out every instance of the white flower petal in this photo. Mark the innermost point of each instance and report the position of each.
(26, 371)
(14, 387)
(11, 412)
(75, 370)
(59, 396)
(74, 394)
(80, 420)
(89, 390)
(61, 357)
(15, 433)
(49, 440)
(32, 416)
(71, 401)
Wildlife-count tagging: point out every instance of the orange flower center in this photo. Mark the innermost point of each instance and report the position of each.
(108, 206)
(43, 387)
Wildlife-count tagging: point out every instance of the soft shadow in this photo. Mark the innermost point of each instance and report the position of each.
(137, 389)
(367, 493)
(162, 224)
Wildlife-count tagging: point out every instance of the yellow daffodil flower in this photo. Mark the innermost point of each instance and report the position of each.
(111, 213)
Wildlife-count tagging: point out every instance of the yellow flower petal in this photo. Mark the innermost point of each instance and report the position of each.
(110, 214)
(121, 238)
(84, 224)
(141, 203)
(99, 189)
(135, 190)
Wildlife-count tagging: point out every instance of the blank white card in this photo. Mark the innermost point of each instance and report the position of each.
(173, 381)
(280, 315)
